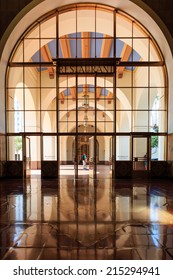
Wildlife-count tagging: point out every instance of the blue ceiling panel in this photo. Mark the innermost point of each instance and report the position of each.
(119, 47)
(52, 48)
(104, 92)
(92, 47)
(111, 54)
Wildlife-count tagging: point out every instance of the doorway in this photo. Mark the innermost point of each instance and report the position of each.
(140, 156)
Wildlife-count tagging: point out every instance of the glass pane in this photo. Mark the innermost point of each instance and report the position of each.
(124, 98)
(35, 154)
(15, 121)
(158, 151)
(104, 22)
(157, 98)
(15, 78)
(15, 99)
(124, 76)
(85, 20)
(32, 121)
(31, 50)
(32, 76)
(14, 148)
(48, 121)
(84, 45)
(139, 153)
(123, 148)
(48, 28)
(138, 31)
(67, 23)
(123, 26)
(154, 54)
(157, 121)
(48, 76)
(75, 47)
(140, 49)
(18, 55)
(140, 77)
(123, 121)
(48, 98)
(34, 33)
(140, 98)
(32, 98)
(140, 121)
(49, 148)
(156, 77)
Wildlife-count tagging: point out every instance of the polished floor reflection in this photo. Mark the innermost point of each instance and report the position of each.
(86, 219)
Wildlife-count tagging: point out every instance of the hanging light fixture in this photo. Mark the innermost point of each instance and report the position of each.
(85, 101)
(86, 118)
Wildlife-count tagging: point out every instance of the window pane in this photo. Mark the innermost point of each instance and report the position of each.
(31, 50)
(156, 77)
(15, 121)
(32, 98)
(48, 98)
(123, 121)
(85, 20)
(18, 55)
(15, 99)
(32, 77)
(48, 121)
(67, 23)
(140, 98)
(15, 78)
(140, 121)
(122, 148)
(123, 26)
(48, 28)
(140, 77)
(141, 47)
(157, 98)
(32, 121)
(104, 22)
(49, 148)
(14, 148)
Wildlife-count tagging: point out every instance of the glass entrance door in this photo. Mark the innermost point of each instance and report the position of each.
(140, 154)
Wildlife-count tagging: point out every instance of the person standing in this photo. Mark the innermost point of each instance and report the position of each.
(84, 161)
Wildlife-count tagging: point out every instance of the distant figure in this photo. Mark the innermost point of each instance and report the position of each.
(84, 161)
(145, 161)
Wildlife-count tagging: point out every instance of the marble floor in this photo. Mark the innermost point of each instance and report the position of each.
(88, 219)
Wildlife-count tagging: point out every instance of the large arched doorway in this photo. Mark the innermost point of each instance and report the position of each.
(90, 66)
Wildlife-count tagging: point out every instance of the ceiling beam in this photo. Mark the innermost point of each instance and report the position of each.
(125, 54)
(85, 44)
(65, 46)
(98, 92)
(45, 53)
(106, 46)
(109, 97)
(73, 93)
(62, 97)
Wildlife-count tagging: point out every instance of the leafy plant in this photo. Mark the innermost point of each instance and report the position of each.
(18, 143)
(154, 141)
